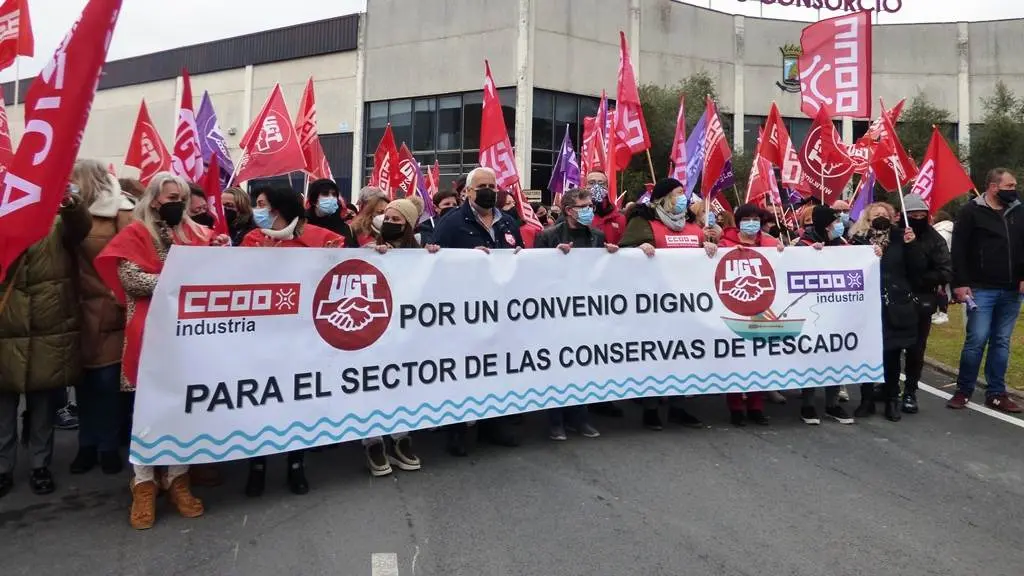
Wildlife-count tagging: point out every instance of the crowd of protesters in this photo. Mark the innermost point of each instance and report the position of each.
(73, 307)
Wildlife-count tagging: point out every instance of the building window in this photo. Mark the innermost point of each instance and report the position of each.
(424, 124)
(751, 129)
(552, 112)
(449, 123)
(400, 115)
(377, 116)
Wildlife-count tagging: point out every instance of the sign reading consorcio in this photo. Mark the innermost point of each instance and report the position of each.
(890, 6)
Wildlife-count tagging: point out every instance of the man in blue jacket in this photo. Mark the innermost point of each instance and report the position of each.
(479, 224)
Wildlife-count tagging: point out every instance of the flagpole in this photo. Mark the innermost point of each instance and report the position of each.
(899, 187)
(650, 165)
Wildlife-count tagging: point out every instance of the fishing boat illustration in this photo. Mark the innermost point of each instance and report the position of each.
(767, 324)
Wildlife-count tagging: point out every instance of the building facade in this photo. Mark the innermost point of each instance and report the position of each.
(418, 64)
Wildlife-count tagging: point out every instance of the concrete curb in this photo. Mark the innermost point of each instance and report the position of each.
(952, 372)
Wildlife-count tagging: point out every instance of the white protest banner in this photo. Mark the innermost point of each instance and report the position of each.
(252, 351)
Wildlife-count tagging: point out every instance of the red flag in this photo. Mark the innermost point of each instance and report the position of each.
(434, 179)
(56, 110)
(270, 146)
(592, 149)
(826, 168)
(309, 137)
(407, 172)
(762, 189)
(15, 32)
(863, 151)
(835, 66)
(385, 164)
(611, 158)
(146, 151)
(629, 117)
(677, 158)
(891, 161)
(716, 150)
(211, 186)
(942, 178)
(777, 147)
(187, 159)
(6, 148)
(496, 150)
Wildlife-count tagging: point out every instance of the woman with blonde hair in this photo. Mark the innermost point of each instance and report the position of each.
(98, 394)
(366, 225)
(238, 213)
(130, 266)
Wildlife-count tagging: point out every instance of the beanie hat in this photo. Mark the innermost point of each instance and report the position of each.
(822, 217)
(914, 203)
(664, 187)
(408, 208)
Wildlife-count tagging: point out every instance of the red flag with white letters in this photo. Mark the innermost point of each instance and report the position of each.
(434, 179)
(56, 110)
(835, 66)
(407, 173)
(6, 148)
(677, 158)
(826, 167)
(16, 37)
(385, 173)
(187, 158)
(309, 137)
(716, 151)
(942, 178)
(496, 150)
(146, 151)
(777, 147)
(270, 146)
(890, 160)
(629, 115)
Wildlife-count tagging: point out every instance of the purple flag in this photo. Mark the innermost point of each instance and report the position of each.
(211, 140)
(865, 195)
(566, 172)
(421, 190)
(726, 180)
(695, 155)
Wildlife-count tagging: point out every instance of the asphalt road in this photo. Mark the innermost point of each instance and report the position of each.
(939, 493)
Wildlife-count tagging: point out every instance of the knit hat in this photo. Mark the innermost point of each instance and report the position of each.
(664, 187)
(822, 217)
(914, 203)
(410, 209)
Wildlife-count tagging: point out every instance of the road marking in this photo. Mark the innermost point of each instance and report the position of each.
(971, 405)
(384, 564)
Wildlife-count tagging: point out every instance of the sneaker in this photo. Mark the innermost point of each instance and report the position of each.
(1002, 403)
(66, 418)
(41, 481)
(844, 395)
(587, 431)
(377, 460)
(959, 401)
(838, 414)
(810, 416)
(403, 456)
(940, 318)
(652, 420)
(557, 433)
(909, 404)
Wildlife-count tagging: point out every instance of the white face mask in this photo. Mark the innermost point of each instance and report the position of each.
(378, 221)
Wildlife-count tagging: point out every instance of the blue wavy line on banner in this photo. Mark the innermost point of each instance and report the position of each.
(426, 414)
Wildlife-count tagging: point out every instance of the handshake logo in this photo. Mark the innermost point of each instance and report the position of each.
(352, 305)
(745, 282)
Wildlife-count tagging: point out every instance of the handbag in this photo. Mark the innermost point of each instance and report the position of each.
(901, 312)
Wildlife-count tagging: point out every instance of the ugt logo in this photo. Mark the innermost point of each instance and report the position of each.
(352, 305)
(745, 282)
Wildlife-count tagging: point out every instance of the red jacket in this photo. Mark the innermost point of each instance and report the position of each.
(310, 237)
(731, 237)
(613, 225)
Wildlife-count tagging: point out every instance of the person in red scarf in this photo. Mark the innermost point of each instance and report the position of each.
(606, 218)
(666, 222)
(281, 223)
(130, 266)
(747, 234)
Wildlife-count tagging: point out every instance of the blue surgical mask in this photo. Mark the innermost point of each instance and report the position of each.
(262, 218)
(328, 205)
(750, 227)
(838, 229)
(712, 219)
(585, 215)
(681, 203)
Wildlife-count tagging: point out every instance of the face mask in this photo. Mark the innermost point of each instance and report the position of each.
(712, 219)
(881, 223)
(230, 214)
(172, 213)
(598, 192)
(486, 198)
(543, 218)
(328, 205)
(378, 221)
(919, 225)
(204, 219)
(681, 203)
(585, 215)
(262, 218)
(1007, 196)
(845, 219)
(750, 227)
(838, 229)
(391, 231)
(447, 210)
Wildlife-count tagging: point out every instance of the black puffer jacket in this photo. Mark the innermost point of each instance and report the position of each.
(938, 271)
(988, 246)
(900, 262)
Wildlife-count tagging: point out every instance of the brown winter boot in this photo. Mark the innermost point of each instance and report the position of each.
(143, 513)
(181, 496)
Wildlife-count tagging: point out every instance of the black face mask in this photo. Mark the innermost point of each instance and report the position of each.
(172, 213)
(486, 198)
(918, 225)
(603, 208)
(447, 210)
(881, 223)
(1007, 196)
(231, 215)
(543, 219)
(204, 219)
(391, 231)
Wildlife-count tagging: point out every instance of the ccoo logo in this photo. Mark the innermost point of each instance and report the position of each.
(352, 305)
(745, 282)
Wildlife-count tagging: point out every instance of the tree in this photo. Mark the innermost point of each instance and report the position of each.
(999, 142)
(915, 126)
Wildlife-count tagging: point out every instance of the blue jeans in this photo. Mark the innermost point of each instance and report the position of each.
(99, 408)
(992, 324)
